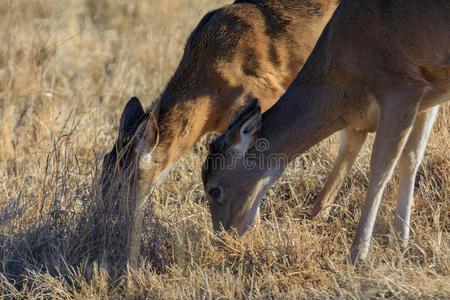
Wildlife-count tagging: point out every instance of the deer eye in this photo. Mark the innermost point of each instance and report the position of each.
(216, 195)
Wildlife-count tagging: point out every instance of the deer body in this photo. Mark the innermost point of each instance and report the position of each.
(244, 50)
(247, 49)
(389, 77)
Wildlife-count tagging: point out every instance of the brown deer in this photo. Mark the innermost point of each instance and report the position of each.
(251, 48)
(379, 66)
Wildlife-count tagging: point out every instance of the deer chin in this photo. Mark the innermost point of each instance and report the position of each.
(249, 220)
(246, 219)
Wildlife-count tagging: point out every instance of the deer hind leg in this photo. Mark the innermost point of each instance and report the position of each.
(352, 141)
(409, 163)
(398, 111)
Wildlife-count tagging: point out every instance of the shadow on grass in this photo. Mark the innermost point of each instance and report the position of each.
(65, 228)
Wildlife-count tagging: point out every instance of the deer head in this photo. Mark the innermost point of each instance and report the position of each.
(235, 157)
(136, 137)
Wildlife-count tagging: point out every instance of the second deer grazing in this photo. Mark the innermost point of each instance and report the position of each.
(379, 66)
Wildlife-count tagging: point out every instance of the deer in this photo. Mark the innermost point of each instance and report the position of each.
(388, 78)
(247, 49)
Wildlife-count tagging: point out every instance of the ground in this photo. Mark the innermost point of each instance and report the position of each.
(66, 70)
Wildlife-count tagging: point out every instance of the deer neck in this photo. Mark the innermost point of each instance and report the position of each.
(182, 120)
(308, 113)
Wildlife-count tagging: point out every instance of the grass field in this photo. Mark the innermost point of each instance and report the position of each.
(66, 70)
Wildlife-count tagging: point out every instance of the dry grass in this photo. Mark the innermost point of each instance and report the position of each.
(66, 69)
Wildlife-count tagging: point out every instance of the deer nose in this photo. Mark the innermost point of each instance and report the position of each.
(215, 193)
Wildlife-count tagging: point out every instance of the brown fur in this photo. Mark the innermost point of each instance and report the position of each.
(240, 51)
(389, 76)
(247, 49)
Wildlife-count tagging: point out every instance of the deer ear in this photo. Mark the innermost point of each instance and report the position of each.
(131, 116)
(146, 137)
(243, 131)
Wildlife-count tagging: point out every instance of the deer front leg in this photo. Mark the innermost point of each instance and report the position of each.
(351, 143)
(409, 163)
(398, 111)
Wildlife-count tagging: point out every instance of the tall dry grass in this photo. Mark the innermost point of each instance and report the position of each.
(66, 70)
